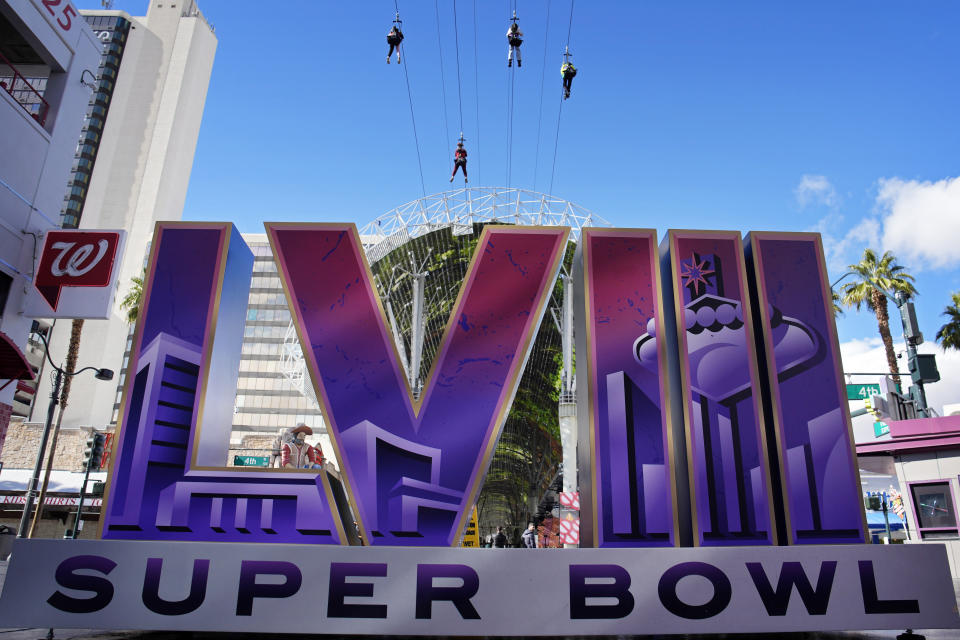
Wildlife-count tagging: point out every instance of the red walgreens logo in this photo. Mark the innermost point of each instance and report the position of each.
(75, 259)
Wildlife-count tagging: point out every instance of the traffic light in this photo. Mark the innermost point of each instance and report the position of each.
(93, 456)
(911, 328)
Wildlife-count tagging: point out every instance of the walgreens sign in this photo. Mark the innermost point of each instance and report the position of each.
(76, 275)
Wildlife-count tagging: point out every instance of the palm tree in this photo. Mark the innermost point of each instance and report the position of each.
(878, 277)
(131, 301)
(837, 301)
(949, 334)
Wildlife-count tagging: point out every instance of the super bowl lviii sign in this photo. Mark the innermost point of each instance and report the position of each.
(718, 481)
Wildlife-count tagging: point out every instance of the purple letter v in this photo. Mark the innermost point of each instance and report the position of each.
(413, 468)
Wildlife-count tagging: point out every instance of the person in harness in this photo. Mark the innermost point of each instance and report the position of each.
(514, 40)
(394, 38)
(459, 161)
(568, 71)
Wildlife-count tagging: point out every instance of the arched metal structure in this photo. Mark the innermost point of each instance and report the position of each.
(462, 208)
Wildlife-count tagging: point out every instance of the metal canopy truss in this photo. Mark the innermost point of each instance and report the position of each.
(462, 208)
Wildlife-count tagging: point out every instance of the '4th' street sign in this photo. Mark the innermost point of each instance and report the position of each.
(862, 391)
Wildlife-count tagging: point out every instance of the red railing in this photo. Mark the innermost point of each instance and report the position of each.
(13, 82)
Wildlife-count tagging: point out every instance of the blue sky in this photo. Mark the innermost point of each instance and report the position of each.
(837, 117)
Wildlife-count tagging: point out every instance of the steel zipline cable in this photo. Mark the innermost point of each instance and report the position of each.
(511, 6)
(413, 120)
(456, 41)
(556, 139)
(543, 78)
(443, 84)
(476, 87)
(512, 75)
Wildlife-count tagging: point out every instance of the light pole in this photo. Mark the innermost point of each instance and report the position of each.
(838, 280)
(59, 375)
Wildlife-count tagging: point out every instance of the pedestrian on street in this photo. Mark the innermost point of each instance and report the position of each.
(529, 537)
(500, 540)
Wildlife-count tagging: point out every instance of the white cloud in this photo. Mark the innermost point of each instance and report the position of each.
(816, 190)
(837, 249)
(867, 355)
(921, 220)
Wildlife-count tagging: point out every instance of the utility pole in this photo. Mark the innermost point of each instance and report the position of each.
(411, 362)
(922, 367)
(418, 280)
(44, 438)
(93, 457)
(567, 408)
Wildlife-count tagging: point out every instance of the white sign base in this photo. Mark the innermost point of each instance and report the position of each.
(475, 592)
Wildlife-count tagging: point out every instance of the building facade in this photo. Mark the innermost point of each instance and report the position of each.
(132, 165)
(267, 400)
(47, 56)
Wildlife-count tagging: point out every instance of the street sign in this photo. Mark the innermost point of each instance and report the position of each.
(472, 537)
(251, 461)
(862, 391)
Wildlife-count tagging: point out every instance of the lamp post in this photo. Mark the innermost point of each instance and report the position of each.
(838, 280)
(59, 375)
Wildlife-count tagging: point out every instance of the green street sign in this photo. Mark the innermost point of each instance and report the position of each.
(862, 391)
(251, 461)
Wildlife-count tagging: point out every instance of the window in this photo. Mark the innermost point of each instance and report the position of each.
(5, 282)
(934, 509)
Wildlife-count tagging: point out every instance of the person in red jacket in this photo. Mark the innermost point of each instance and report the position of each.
(459, 161)
(297, 454)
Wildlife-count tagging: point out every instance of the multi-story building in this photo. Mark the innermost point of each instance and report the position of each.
(47, 57)
(111, 32)
(132, 164)
(267, 400)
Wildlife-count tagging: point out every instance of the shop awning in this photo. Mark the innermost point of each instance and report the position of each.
(13, 364)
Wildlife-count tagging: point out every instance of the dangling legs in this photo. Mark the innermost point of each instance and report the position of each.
(393, 45)
(459, 164)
